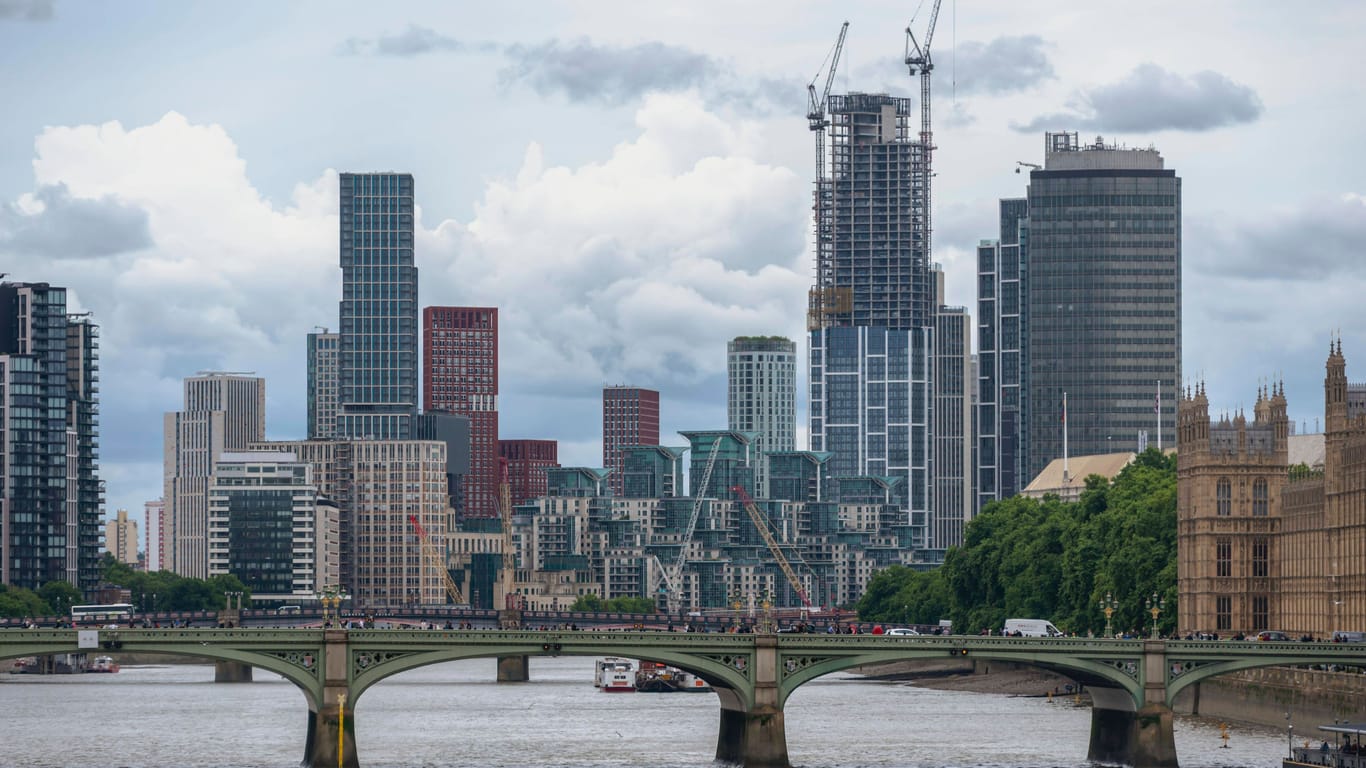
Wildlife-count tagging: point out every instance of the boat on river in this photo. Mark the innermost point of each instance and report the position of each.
(103, 664)
(653, 677)
(1345, 751)
(615, 675)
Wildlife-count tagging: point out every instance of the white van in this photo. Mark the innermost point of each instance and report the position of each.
(1030, 628)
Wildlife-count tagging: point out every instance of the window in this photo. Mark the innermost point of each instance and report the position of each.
(1224, 498)
(1223, 612)
(1259, 497)
(1261, 617)
(1223, 558)
(1260, 567)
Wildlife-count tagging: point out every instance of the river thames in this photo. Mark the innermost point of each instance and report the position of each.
(454, 716)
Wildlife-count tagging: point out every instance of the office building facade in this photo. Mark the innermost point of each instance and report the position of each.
(1001, 293)
(1102, 301)
(460, 376)
(953, 503)
(154, 546)
(50, 493)
(223, 412)
(761, 374)
(121, 538)
(324, 376)
(630, 416)
(378, 338)
(267, 527)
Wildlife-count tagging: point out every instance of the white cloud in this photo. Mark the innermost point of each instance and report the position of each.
(637, 268)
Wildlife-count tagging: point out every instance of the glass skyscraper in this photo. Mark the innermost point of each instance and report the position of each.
(1104, 300)
(872, 312)
(379, 325)
(51, 496)
(1001, 288)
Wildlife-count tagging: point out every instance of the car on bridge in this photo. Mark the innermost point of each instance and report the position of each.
(901, 632)
(1274, 636)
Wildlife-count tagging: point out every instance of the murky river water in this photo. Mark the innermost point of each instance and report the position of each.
(454, 716)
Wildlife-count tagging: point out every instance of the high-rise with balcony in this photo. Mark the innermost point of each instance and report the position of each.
(761, 374)
(871, 310)
(378, 384)
(630, 416)
(460, 376)
(224, 411)
(50, 492)
(324, 375)
(1103, 301)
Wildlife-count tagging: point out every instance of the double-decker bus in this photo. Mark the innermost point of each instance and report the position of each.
(109, 613)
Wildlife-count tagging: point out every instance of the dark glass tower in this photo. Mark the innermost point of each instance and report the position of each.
(1001, 271)
(50, 496)
(379, 330)
(1102, 301)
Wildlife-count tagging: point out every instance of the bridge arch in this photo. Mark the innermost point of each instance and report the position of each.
(1183, 673)
(797, 671)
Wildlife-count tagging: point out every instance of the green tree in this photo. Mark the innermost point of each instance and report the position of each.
(17, 602)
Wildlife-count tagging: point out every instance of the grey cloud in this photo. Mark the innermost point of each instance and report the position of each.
(1004, 65)
(585, 72)
(73, 228)
(1152, 99)
(1320, 239)
(412, 41)
(27, 10)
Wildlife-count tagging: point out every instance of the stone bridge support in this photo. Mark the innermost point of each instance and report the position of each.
(753, 734)
(1140, 736)
(331, 722)
(514, 669)
(231, 672)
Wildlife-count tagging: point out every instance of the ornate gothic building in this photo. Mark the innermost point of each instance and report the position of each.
(1264, 544)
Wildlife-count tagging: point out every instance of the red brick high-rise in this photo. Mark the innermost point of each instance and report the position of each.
(630, 416)
(460, 375)
(527, 462)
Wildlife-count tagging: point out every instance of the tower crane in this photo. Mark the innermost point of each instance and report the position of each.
(673, 575)
(435, 561)
(918, 61)
(815, 110)
(508, 576)
(762, 525)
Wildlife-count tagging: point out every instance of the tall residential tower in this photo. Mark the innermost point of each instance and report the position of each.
(630, 416)
(378, 339)
(761, 373)
(460, 367)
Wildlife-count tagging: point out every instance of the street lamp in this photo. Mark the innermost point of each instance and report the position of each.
(768, 612)
(735, 602)
(1155, 606)
(1108, 604)
(331, 599)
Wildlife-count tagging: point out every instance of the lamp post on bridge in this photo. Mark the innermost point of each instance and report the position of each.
(735, 603)
(331, 599)
(1107, 604)
(1155, 606)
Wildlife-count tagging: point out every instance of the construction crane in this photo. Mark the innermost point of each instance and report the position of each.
(918, 61)
(1032, 166)
(815, 110)
(673, 577)
(508, 577)
(435, 561)
(762, 524)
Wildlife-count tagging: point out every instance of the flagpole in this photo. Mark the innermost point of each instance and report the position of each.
(1065, 474)
(1157, 407)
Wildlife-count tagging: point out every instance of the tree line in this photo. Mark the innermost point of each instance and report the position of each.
(156, 591)
(1049, 559)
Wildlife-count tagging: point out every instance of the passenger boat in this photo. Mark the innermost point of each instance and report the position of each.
(615, 675)
(1345, 751)
(103, 664)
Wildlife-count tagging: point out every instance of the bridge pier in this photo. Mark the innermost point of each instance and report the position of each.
(1122, 732)
(754, 734)
(331, 740)
(231, 672)
(514, 669)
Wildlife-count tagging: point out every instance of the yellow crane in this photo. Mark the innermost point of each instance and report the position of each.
(762, 524)
(508, 576)
(435, 561)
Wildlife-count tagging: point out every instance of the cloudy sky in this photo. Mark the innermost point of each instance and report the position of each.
(629, 182)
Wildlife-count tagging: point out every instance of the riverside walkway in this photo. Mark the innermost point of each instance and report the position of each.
(1132, 682)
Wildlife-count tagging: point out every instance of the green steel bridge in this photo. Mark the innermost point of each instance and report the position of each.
(1132, 683)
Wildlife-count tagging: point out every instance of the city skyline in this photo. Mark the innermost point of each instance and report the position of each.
(665, 212)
